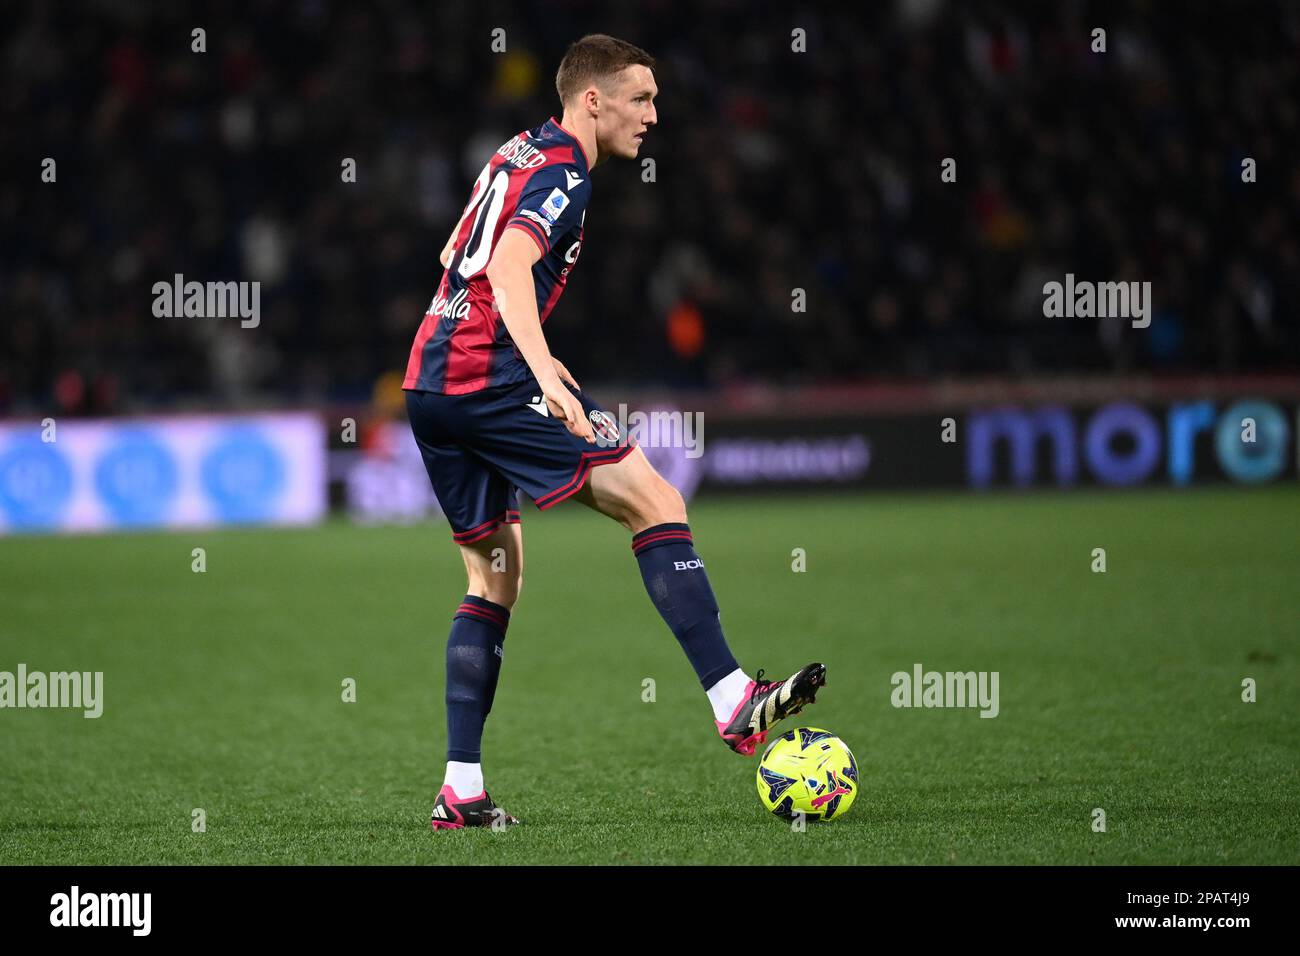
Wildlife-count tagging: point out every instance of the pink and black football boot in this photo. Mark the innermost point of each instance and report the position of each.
(766, 703)
(450, 812)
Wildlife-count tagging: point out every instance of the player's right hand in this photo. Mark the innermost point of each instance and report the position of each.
(564, 405)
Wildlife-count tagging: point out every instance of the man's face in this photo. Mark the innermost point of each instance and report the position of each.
(627, 110)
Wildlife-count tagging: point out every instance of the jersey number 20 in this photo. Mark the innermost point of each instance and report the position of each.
(488, 201)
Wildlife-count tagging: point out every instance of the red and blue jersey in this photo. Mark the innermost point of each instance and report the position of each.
(537, 182)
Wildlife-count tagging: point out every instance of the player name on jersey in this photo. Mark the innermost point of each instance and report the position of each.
(518, 152)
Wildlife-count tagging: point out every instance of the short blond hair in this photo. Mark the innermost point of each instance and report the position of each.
(594, 59)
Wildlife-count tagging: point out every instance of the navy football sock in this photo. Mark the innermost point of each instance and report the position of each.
(474, 651)
(675, 580)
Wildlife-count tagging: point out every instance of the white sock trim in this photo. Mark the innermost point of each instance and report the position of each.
(465, 779)
(725, 696)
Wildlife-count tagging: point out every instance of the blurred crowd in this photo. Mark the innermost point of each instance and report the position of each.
(775, 170)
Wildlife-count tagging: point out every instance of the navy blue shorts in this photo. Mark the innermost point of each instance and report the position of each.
(482, 447)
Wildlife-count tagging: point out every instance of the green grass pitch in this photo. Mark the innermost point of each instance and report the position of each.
(1119, 690)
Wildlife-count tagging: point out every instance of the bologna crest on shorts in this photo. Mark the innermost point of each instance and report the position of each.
(603, 424)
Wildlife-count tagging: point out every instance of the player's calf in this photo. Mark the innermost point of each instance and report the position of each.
(494, 566)
(475, 651)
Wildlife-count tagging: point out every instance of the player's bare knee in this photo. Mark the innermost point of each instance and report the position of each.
(662, 504)
(671, 505)
(500, 585)
(497, 588)
(628, 517)
(616, 507)
(506, 596)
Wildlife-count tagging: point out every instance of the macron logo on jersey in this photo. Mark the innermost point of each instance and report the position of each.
(573, 178)
(538, 404)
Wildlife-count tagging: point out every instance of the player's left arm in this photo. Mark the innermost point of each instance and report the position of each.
(509, 273)
(552, 205)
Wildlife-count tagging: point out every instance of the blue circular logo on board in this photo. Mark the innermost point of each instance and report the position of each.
(137, 479)
(1262, 458)
(35, 484)
(243, 475)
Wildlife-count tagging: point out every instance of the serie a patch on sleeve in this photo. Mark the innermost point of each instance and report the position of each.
(555, 204)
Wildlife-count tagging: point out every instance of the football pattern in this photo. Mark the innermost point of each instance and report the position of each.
(810, 771)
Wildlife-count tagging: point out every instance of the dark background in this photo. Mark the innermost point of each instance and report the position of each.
(775, 170)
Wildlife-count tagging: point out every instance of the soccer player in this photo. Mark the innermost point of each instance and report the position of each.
(493, 413)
